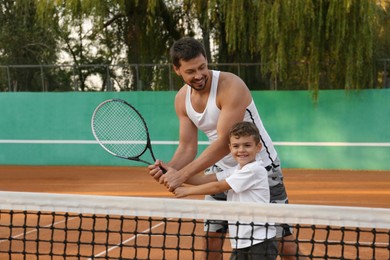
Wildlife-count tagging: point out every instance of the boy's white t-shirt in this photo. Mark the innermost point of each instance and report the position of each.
(249, 184)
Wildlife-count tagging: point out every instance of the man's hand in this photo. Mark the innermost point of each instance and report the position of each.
(155, 170)
(172, 179)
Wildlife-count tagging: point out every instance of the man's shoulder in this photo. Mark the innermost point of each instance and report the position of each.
(231, 82)
(181, 93)
(227, 76)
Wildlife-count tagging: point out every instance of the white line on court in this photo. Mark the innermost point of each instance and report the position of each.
(333, 144)
(35, 230)
(126, 241)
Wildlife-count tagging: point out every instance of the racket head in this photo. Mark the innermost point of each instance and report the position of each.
(121, 130)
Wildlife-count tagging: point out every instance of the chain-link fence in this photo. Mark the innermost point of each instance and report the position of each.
(141, 77)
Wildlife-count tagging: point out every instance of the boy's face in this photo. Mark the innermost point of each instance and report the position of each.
(194, 72)
(244, 149)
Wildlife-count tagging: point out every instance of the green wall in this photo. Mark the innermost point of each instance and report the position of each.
(54, 128)
(339, 116)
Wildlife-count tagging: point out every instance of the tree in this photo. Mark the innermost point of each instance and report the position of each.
(24, 41)
(322, 44)
(382, 40)
(144, 29)
(300, 44)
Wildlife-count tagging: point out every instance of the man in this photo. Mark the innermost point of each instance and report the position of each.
(213, 101)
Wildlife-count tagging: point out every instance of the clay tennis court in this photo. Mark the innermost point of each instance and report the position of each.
(316, 187)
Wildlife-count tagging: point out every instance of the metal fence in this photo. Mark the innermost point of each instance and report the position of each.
(137, 77)
(385, 73)
(63, 77)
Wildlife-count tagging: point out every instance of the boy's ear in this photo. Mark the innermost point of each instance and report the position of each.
(259, 146)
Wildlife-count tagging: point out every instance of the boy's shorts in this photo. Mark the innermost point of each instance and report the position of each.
(267, 250)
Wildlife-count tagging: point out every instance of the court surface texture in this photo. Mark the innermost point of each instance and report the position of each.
(304, 186)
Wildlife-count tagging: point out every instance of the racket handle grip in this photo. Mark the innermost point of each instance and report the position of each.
(163, 170)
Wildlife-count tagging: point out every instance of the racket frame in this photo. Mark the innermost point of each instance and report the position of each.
(101, 143)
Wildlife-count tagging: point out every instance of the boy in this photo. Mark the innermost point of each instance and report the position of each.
(247, 182)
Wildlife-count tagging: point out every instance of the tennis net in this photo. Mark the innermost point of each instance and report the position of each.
(61, 226)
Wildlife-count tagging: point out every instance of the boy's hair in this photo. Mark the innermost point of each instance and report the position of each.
(186, 49)
(245, 129)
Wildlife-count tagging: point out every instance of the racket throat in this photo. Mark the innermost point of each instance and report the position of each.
(138, 160)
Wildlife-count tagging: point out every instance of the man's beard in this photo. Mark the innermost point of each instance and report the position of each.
(198, 88)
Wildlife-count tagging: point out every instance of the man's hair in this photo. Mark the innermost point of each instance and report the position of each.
(245, 129)
(186, 48)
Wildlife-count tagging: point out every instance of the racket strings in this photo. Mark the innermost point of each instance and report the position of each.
(120, 129)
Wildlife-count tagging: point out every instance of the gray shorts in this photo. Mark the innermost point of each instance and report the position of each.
(211, 225)
(278, 195)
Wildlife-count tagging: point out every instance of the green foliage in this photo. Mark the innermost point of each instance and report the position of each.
(324, 44)
(142, 30)
(24, 41)
(301, 44)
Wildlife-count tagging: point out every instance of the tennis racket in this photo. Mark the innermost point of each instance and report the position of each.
(121, 130)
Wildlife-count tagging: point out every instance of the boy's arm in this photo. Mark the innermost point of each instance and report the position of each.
(203, 189)
(201, 178)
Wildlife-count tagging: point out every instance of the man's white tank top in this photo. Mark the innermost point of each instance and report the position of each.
(207, 123)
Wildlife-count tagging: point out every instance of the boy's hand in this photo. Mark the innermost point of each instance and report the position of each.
(180, 192)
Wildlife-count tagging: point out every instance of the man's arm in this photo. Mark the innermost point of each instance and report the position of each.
(203, 189)
(188, 135)
(188, 142)
(233, 97)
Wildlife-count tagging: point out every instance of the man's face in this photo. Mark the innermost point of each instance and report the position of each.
(194, 72)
